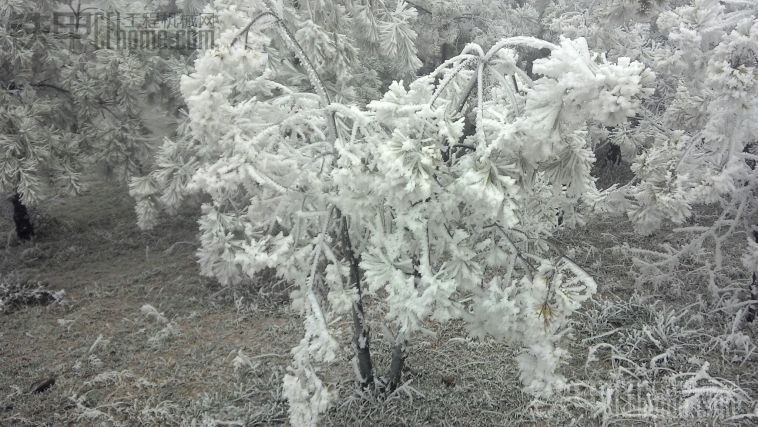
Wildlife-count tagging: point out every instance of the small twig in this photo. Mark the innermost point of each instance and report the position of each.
(261, 356)
(527, 264)
(419, 8)
(170, 249)
(50, 86)
(250, 25)
(586, 340)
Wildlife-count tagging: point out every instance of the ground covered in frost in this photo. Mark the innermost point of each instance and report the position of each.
(138, 337)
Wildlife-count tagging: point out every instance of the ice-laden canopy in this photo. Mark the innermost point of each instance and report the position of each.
(697, 146)
(446, 225)
(67, 103)
(351, 48)
(467, 235)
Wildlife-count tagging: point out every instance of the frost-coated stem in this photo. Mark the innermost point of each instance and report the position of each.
(484, 60)
(480, 103)
(315, 306)
(528, 267)
(446, 82)
(313, 75)
(361, 342)
(250, 25)
(396, 365)
(568, 260)
(467, 93)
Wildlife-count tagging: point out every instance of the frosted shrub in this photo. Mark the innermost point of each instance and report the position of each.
(700, 141)
(396, 200)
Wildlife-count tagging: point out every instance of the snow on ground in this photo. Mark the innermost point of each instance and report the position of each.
(141, 339)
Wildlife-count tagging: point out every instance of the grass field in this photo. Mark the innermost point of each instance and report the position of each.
(140, 338)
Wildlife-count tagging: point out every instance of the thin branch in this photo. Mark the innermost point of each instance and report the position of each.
(419, 8)
(314, 304)
(554, 244)
(250, 25)
(531, 42)
(12, 85)
(455, 71)
(313, 75)
(529, 267)
(57, 88)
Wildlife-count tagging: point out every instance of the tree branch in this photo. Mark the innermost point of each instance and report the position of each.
(529, 267)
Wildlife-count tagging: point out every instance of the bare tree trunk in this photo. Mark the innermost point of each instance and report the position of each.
(361, 341)
(396, 365)
(24, 227)
(362, 349)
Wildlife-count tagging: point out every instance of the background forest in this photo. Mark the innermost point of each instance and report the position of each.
(379, 212)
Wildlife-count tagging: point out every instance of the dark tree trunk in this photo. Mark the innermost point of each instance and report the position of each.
(396, 366)
(361, 344)
(361, 341)
(24, 227)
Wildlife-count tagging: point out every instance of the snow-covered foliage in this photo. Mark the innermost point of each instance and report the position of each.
(701, 143)
(351, 48)
(695, 142)
(15, 294)
(397, 200)
(416, 167)
(68, 103)
(446, 220)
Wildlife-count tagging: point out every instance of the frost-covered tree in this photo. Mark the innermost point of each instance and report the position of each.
(697, 142)
(352, 48)
(473, 220)
(618, 28)
(67, 103)
(392, 201)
